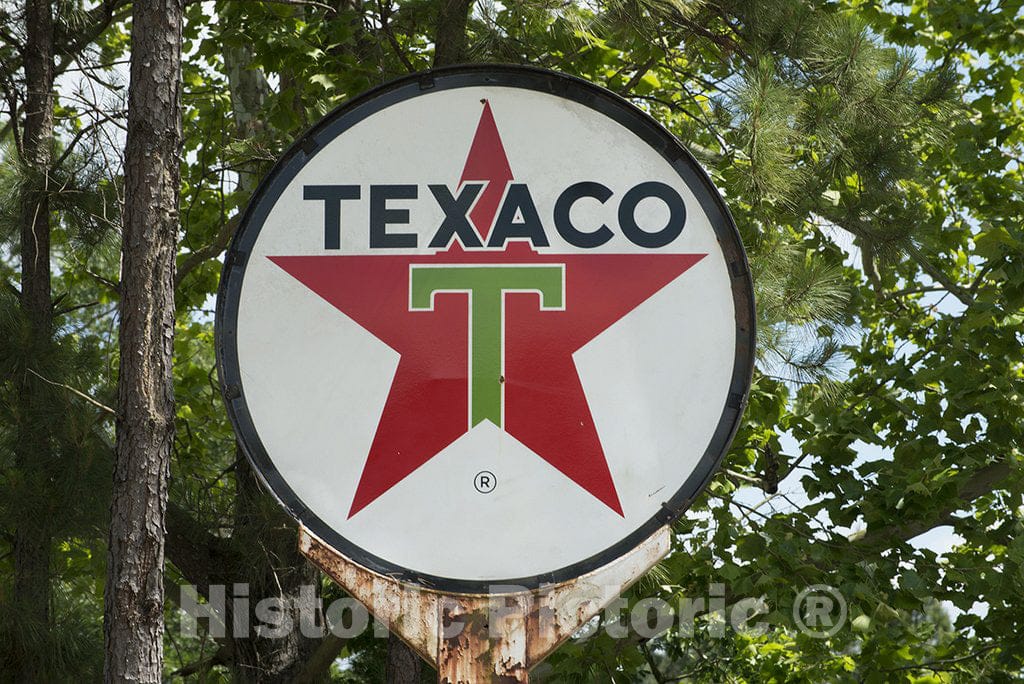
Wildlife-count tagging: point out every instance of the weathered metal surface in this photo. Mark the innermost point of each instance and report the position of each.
(483, 639)
(563, 608)
(497, 637)
(408, 612)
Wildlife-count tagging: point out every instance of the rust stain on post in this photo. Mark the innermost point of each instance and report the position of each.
(481, 638)
(409, 613)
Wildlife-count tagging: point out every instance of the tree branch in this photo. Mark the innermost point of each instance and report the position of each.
(912, 291)
(384, 10)
(741, 476)
(200, 556)
(855, 226)
(982, 482)
(638, 75)
(221, 657)
(99, 19)
(110, 284)
(76, 392)
(938, 276)
(320, 660)
(312, 3)
(68, 309)
(934, 664)
(655, 672)
(212, 250)
(85, 130)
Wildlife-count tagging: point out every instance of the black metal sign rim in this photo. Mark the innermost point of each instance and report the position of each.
(530, 78)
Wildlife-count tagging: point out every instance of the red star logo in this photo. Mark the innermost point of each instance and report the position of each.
(542, 402)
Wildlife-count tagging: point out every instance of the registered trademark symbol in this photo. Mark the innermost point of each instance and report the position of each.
(485, 482)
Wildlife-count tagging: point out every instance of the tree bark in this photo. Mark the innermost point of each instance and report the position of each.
(249, 90)
(270, 566)
(33, 536)
(134, 599)
(403, 666)
(450, 43)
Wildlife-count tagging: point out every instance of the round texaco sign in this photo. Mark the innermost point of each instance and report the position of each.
(486, 326)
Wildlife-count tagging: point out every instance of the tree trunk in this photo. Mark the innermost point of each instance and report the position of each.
(272, 567)
(259, 561)
(32, 536)
(133, 619)
(249, 90)
(404, 666)
(450, 35)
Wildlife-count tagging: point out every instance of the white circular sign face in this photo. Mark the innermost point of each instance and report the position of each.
(486, 326)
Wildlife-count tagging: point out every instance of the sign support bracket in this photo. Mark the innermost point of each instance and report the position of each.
(486, 638)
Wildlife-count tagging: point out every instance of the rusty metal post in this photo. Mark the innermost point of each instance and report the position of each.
(485, 638)
(483, 643)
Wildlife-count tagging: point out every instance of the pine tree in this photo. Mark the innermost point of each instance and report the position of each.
(134, 592)
(53, 445)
